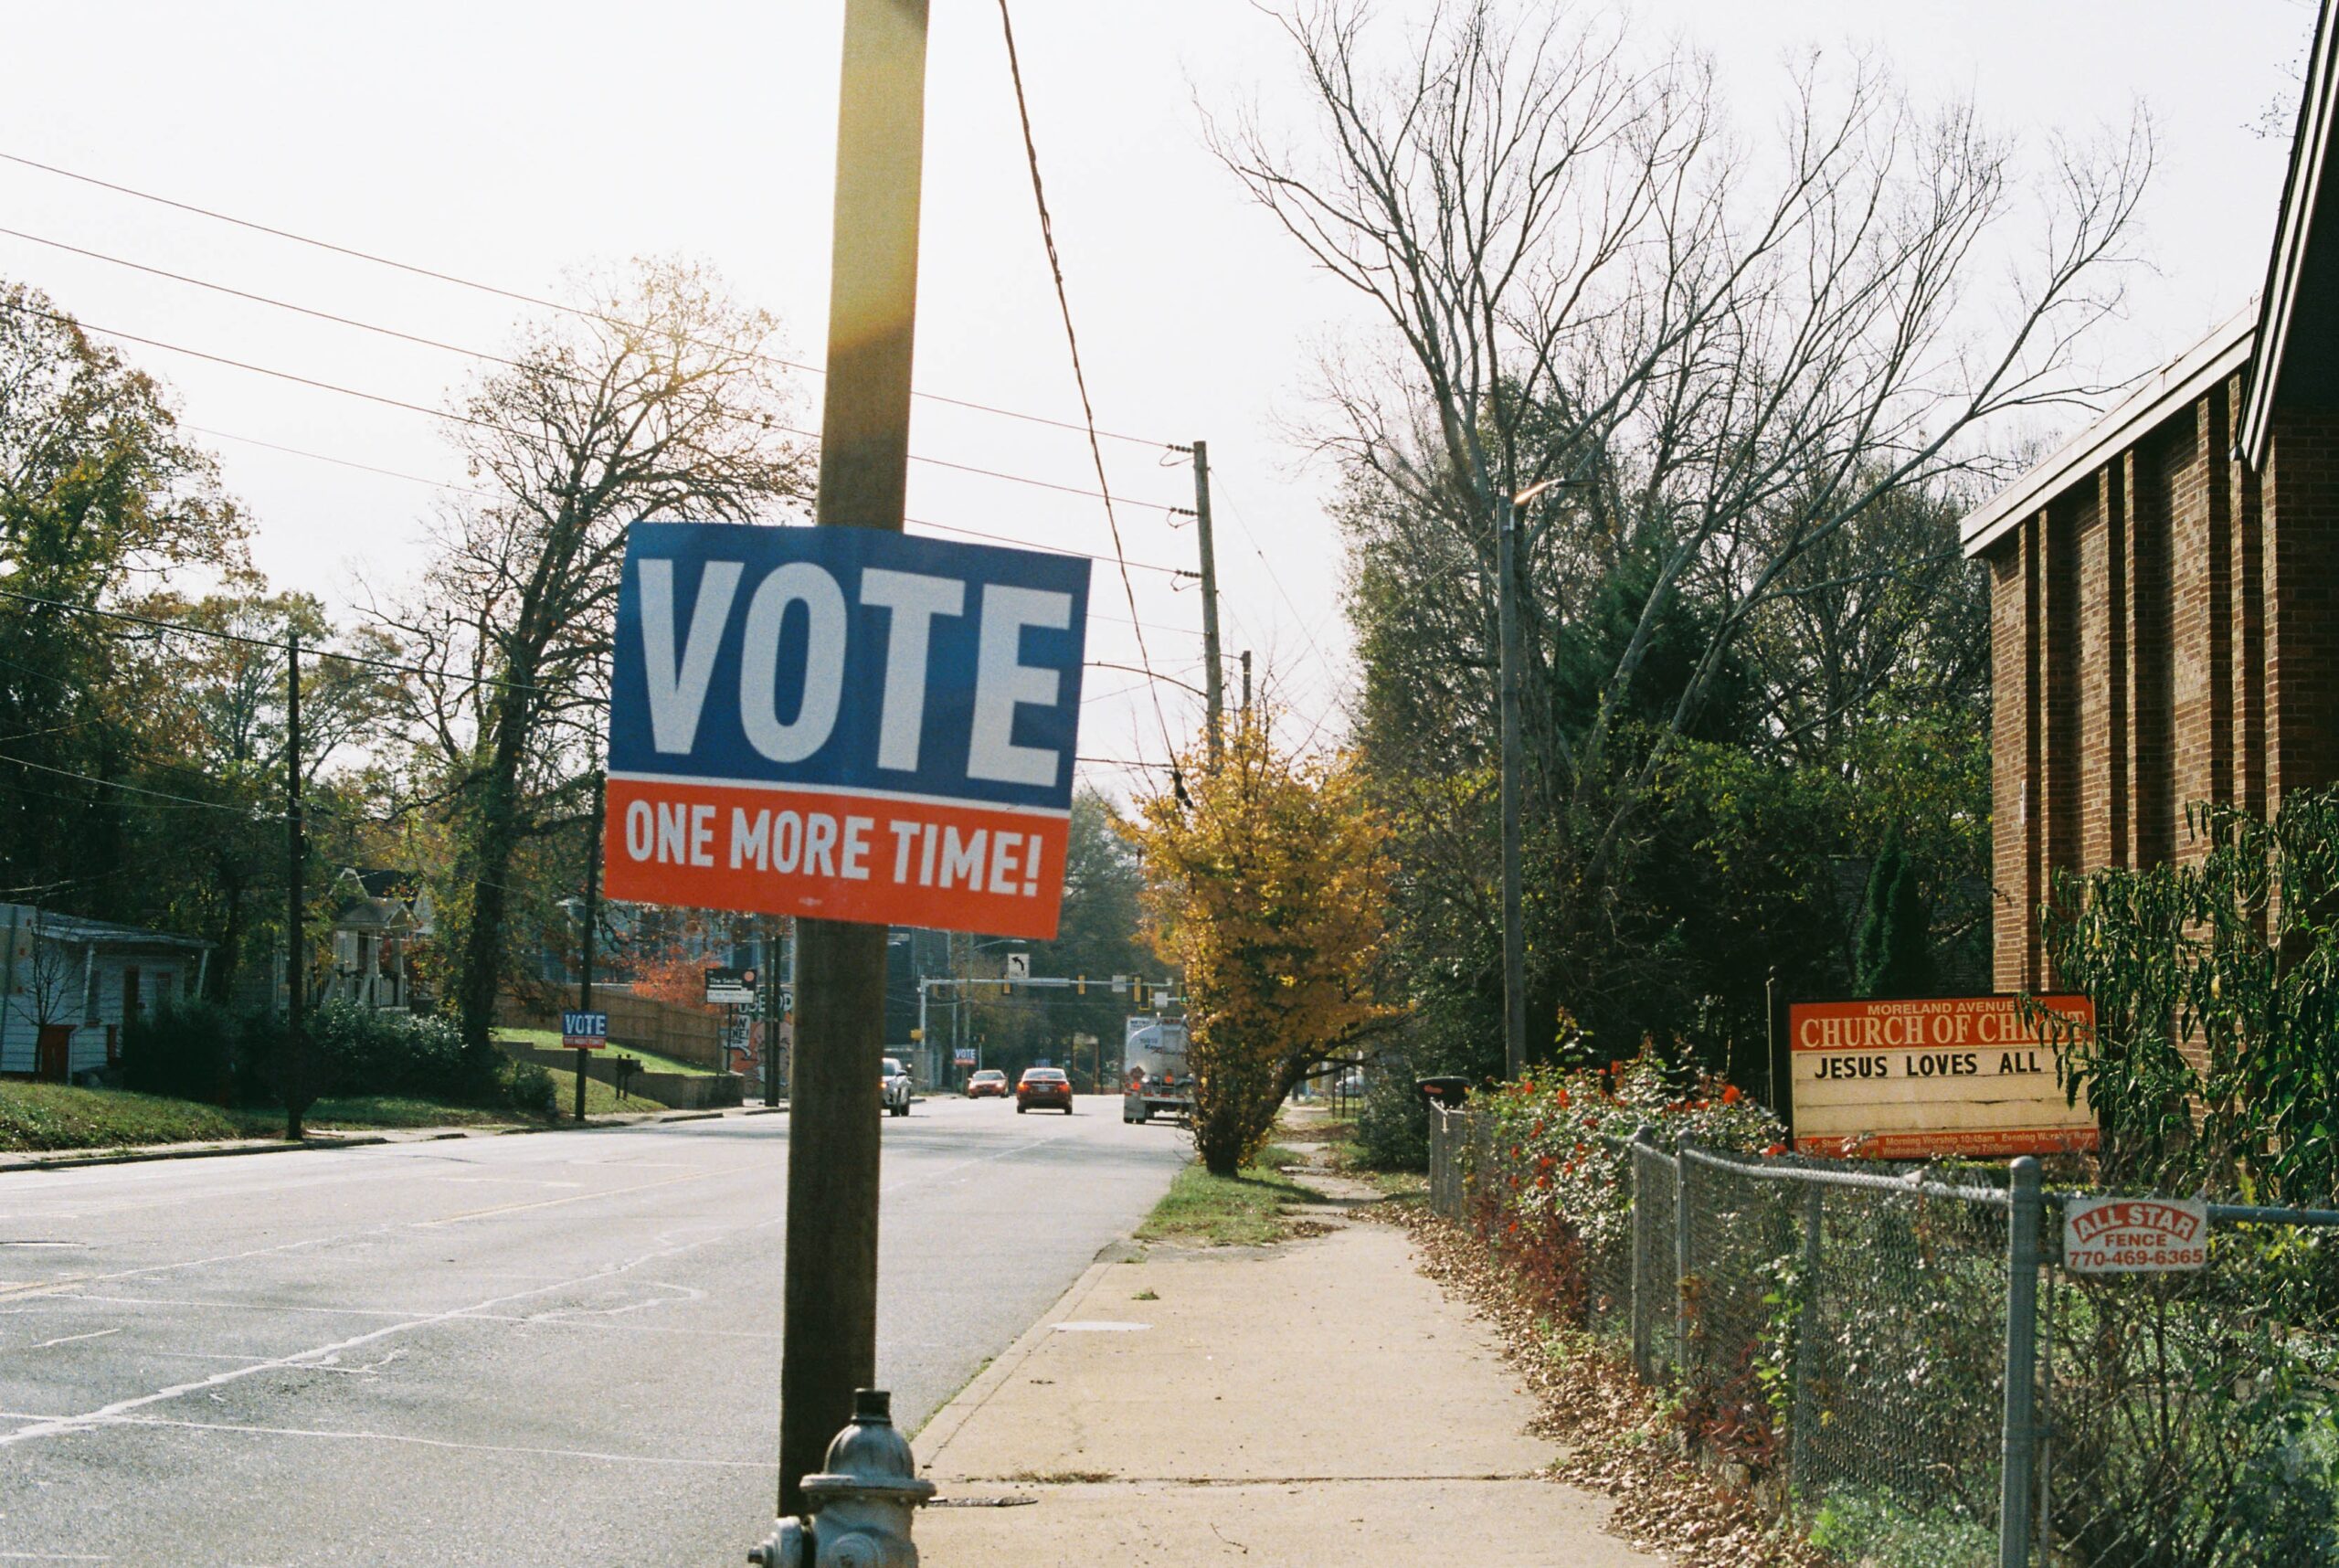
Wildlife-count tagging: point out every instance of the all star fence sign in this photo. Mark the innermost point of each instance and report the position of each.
(2135, 1235)
(848, 723)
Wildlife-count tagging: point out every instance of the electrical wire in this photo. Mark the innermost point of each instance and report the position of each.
(512, 294)
(1079, 376)
(476, 423)
(913, 522)
(248, 814)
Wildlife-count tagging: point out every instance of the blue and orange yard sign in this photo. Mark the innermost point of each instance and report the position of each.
(847, 724)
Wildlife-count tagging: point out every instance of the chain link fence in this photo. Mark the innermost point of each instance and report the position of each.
(1844, 1333)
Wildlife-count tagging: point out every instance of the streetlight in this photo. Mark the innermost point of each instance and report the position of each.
(1514, 932)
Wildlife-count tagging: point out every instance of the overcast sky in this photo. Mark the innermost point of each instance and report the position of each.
(506, 144)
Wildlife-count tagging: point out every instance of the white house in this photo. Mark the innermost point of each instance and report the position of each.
(378, 918)
(68, 984)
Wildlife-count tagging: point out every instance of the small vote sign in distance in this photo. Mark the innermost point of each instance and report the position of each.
(847, 724)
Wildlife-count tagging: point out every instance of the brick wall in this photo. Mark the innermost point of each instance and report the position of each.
(2300, 560)
(2163, 632)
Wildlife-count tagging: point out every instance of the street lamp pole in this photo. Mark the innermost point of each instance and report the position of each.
(1511, 657)
(1514, 934)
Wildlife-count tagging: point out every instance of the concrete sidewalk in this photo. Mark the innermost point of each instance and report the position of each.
(1318, 1401)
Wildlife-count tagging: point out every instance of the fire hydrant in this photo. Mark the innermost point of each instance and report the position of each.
(858, 1509)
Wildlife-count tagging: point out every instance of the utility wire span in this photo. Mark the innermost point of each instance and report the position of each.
(913, 522)
(320, 654)
(512, 294)
(1079, 376)
(246, 812)
(452, 418)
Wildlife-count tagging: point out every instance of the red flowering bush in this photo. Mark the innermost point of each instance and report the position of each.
(1562, 1130)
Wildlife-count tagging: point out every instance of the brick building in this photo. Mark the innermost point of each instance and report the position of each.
(2163, 628)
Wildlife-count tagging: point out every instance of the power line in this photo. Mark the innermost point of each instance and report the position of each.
(514, 294)
(320, 653)
(246, 812)
(428, 412)
(914, 522)
(1079, 376)
(1123, 762)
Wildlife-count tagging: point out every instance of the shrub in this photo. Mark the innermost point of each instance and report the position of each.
(186, 1049)
(1551, 1124)
(531, 1091)
(354, 1050)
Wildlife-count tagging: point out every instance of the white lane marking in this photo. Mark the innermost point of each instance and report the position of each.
(74, 1339)
(112, 1413)
(683, 1293)
(47, 1287)
(772, 1465)
(118, 1412)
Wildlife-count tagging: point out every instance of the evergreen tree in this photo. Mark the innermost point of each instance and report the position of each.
(1895, 952)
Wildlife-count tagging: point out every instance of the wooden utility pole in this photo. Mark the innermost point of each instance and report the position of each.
(1514, 934)
(293, 1074)
(1246, 684)
(829, 1346)
(592, 918)
(1214, 674)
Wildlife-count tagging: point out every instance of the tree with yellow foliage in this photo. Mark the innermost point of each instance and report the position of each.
(1268, 888)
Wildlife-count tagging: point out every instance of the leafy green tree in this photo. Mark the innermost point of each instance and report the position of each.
(101, 499)
(1894, 956)
(2215, 983)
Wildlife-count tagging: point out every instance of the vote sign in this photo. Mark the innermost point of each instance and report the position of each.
(585, 1031)
(848, 723)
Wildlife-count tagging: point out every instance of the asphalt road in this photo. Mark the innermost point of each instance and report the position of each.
(561, 1348)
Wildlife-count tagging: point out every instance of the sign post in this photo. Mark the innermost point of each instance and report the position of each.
(850, 726)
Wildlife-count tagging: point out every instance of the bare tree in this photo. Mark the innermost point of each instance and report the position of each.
(657, 403)
(1718, 355)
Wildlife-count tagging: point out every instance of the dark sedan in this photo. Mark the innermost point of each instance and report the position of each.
(1043, 1086)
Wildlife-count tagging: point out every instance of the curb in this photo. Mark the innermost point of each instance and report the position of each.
(329, 1141)
(945, 1424)
(138, 1156)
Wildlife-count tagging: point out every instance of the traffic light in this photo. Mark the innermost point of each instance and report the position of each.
(1080, 985)
(1139, 988)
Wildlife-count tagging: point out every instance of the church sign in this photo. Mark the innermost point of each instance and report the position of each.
(1971, 1077)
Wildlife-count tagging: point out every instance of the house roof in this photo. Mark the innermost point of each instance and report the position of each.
(2179, 381)
(2288, 337)
(2299, 333)
(84, 932)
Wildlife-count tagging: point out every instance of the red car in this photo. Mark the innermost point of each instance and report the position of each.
(1045, 1086)
(990, 1081)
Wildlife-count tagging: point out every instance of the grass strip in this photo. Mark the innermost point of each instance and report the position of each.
(651, 1062)
(37, 1117)
(1245, 1210)
(601, 1098)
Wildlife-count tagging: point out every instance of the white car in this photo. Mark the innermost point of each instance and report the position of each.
(895, 1080)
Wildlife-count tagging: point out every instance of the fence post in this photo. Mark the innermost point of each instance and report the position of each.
(2018, 1449)
(1430, 1131)
(1806, 1335)
(1644, 1309)
(1684, 1261)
